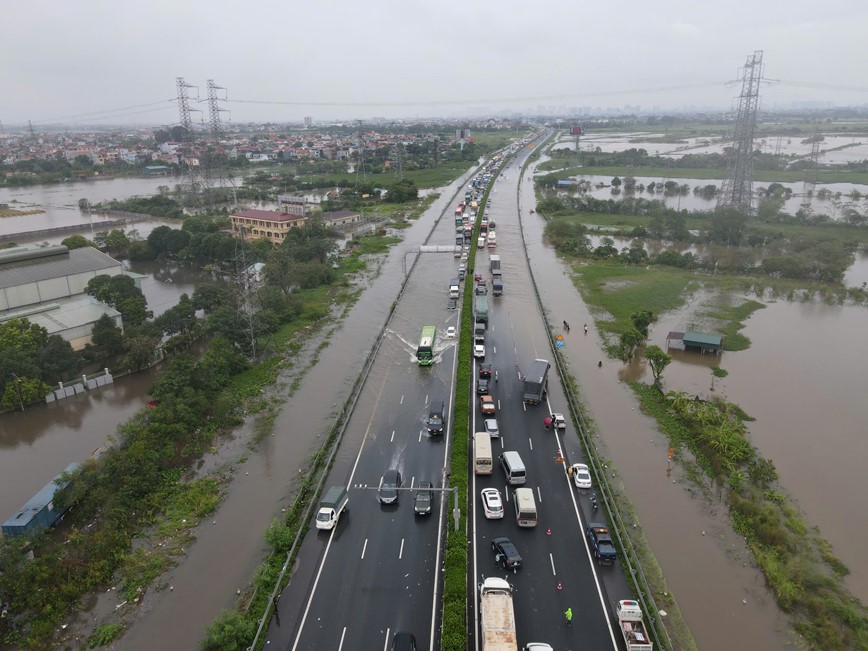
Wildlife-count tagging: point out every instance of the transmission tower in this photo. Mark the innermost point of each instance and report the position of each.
(812, 169)
(737, 189)
(399, 156)
(214, 109)
(184, 104)
(246, 311)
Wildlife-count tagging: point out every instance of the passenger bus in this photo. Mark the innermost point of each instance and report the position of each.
(482, 462)
(425, 351)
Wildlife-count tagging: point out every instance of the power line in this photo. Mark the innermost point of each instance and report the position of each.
(123, 108)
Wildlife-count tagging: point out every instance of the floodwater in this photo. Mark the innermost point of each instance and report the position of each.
(724, 600)
(832, 206)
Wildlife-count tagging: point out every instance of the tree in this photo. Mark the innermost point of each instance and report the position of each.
(179, 318)
(77, 242)
(57, 360)
(232, 631)
(107, 336)
(616, 182)
(23, 391)
(658, 360)
(116, 243)
(641, 320)
(121, 293)
(208, 296)
(140, 351)
(727, 226)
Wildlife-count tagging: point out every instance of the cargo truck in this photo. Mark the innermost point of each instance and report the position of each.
(494, 265)
(497, 616)
(536, 382)
(632, 627)
(330, 508)
(497, 287)
(454, 288)
(481, 309)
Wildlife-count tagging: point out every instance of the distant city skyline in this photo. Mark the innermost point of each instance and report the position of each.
(95, 62)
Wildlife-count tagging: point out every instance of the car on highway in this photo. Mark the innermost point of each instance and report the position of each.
(477, 277)
(404, 641)
(491, 427)
(450, 332)
(558, 421)
(480, 289)
(485, 370)
(479, 351)
(505, 553)
(492, 504)
(486, 403)
(423, 499)
(482, 386)
(451, 304)
(601, 543)
(389, 485)
(581, 475)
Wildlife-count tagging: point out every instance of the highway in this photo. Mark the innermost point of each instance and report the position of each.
(377, 572)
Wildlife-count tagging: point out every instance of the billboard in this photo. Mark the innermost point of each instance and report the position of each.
(577, 131)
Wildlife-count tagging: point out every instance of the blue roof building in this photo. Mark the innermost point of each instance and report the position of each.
(40, 512)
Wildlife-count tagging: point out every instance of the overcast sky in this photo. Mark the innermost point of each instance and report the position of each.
(418, 58)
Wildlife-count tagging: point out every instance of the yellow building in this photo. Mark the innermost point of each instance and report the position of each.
(266, 223)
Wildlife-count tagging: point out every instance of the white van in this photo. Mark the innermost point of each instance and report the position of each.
(525, 507)
(482, 462)
(480, 243)
(513, 467)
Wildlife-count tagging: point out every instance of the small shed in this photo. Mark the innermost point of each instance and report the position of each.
(701, 341)
(40, 511)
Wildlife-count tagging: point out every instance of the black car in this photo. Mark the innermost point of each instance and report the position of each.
(404, 641)
(482, 386)
(505, 553)
(452, 304)
(485, 370)
(423, 499)
(436, 416)
(389, 485)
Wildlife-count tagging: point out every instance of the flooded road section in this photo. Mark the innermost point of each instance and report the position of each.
(226, 553)
(803, 380)
(722, 597)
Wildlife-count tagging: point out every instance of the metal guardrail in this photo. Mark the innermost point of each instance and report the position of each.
(341, 422)
(637, 574)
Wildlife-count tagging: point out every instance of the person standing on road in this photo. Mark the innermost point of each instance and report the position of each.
(568, 616)
(547, 421)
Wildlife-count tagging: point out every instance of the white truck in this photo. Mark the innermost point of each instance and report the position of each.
(498, 616)
(331, 506)
(632, 627)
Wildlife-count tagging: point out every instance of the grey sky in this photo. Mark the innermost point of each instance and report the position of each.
(62, 58)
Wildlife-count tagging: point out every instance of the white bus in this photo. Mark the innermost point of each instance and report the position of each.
(482, 463)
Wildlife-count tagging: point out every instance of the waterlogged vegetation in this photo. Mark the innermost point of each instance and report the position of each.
(797, 562)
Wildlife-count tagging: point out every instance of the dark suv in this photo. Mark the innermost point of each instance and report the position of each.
(423, 499)
(389, 485)
(482, 386)
(505, 553)
(404, 641)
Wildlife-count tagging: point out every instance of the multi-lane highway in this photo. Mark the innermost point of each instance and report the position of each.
(378, 571)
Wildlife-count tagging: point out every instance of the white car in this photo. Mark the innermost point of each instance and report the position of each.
(479, 351)
(491, 428)
(450, 332)
(492, 504)
(581, 475)
(559, 421)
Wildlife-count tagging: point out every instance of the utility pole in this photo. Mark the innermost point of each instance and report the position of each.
(738, 186)
(246, 313)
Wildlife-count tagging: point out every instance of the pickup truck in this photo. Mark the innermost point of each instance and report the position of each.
(601, 543)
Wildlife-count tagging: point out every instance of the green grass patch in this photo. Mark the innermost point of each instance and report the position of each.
(104, 635)
(734, 316)
(719, 372)
(373, 244)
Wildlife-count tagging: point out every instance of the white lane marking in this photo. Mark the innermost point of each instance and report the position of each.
(343, 635)
(530, 441)
(494, 348)
(506, 492)
(498, 404)
(412, 481)
(364, 548)
(402, 400)
(393, 437)
(539, 494)
(420, 435)
(426, 398)
(401, 551)
(386, 643)
(552, 559)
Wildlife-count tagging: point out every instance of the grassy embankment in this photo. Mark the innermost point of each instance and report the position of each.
(798, 564)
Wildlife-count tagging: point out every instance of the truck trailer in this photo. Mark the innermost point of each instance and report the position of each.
(481, 308)
(497, 616)
(494, 265)
(536, 382)
(330, 508)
